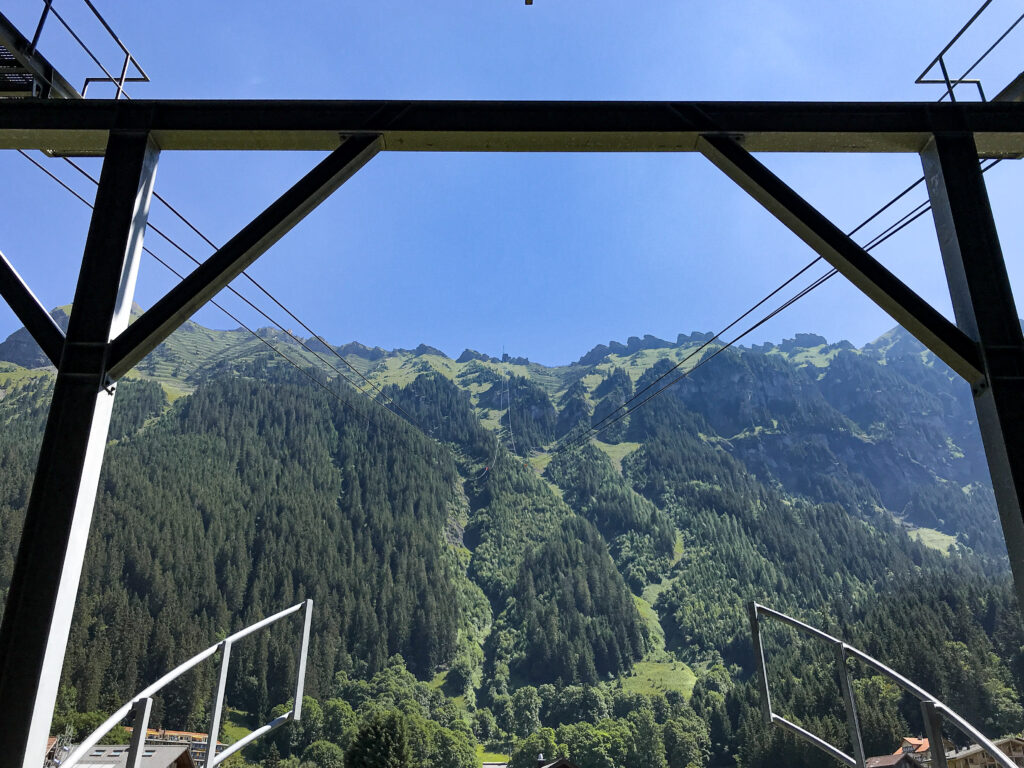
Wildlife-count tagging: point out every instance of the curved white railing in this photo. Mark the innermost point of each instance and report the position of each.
(932, 709)
(143, 701)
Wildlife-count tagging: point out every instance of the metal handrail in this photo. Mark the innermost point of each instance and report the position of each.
(129, 60)
(940, 60)
(142, 702)
(931, 708)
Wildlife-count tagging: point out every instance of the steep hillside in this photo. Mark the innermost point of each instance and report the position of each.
(887, 425)
(537, 581)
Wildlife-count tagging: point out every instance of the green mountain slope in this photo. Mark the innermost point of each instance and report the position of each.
(490, 556)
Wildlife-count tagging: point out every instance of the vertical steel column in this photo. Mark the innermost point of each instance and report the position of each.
(985, 311)
(300, 673)
(762, 670)
(850, 703)
(140, 727)
(933, 727)
(37, 617)
(218, 703)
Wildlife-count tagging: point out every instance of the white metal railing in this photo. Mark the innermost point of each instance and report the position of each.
(142, 703)
(932, 709)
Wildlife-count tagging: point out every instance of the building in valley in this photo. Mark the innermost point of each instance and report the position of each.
(920, 749)
(976, 757)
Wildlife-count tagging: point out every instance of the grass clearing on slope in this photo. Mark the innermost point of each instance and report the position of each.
(236, 725)
(174, 392)
(660, 676)
(485, 755)
(492, 421)
(12, 375)
(438, 681)
(657, 634)
(677, 549)
(616, 452)
(540, 462)
(651, 591)
(819, 356)
(658, 672)
(933, 539)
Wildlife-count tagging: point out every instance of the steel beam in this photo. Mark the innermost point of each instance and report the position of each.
(140, 726)
(850, 705)
(762, 667)
(1014, 90)
(53, 85)
(41, 600)
(157, 323)
(501, 126)
(217, 707)
(933, 727)
(930, 327)
(30, 311)
(985, 309)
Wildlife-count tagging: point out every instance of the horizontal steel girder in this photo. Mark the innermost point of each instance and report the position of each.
(560, 126)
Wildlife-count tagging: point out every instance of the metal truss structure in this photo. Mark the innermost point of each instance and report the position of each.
(24, 71)
(984, 346)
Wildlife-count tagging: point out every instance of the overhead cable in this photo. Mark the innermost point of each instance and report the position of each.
(239, 295)
(384, 396)
(625, 409)
(273, 347)
(289, 312)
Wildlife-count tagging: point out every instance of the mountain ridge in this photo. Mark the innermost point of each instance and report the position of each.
(480, 551)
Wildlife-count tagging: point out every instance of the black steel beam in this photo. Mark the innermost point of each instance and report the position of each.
(164, 317)
(53, 85)
(31, 312)
(563, 126)
(44, 584)
(1014, 91)
(928, 325)
(985, 309)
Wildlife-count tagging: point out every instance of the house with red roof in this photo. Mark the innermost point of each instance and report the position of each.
(920, 749)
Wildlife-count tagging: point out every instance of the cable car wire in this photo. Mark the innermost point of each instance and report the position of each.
(365, 419)
(387, 398)
(625, 409)
(233, 317)
(616, 415)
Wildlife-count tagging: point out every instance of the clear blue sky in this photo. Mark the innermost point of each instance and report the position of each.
(544, 255)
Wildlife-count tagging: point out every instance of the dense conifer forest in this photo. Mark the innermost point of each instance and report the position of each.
(485, 584)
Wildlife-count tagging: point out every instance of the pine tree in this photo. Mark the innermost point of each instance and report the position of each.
(380, 743)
